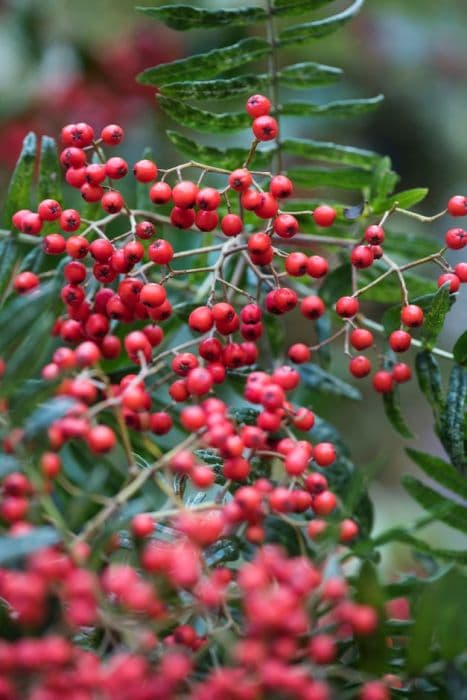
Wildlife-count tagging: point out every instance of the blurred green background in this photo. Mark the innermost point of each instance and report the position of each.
(65, 61)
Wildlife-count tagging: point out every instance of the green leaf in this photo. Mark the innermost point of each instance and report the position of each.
(9, 255)
(392, 408)
(50, 176)
(372, 648)
(440, 471)
(346, 178)
(308, 74)
(206, 65)
(392, 317)
(460, 349)
(13, 548)
(431, 500)
(340, 108)
(17, 316)
(452, 418)
(384, 180)
(331, 152)
(399, 534)
(434, 319)
(244, 415)
(318, 379)
(230, 158)
(19, 190)
(46, 414)
(201, 120)
(300, 33)
(216, 89)
(404, 200)
(407, 244)
(429, 380)
(183, 17)
(8, 464)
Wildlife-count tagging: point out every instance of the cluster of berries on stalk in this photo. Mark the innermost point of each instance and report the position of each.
(117, 294)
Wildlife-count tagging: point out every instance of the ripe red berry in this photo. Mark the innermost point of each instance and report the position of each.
(401, 372)
(160, 193)
(362, 256)
(182, 218)
(160, 252)
(412, 315)
(152, 294)
(201, 319)
(25, 282)
(206, 220)
(268, 206)
(250, 199)
(361, 339)
(312, 307)
(49, 210)
(324, 503)
(457, 205)
(145, 170)
(400, 341)
(240, 179)
(324, 453)
(95, 173)
(53, 244)
(265, 128)
(259, 243)
(317, 266)
(348, 530)
(80, 135)
(184, 194)
(73, 157)
(322, 649)
(112, 202)
(199, 381)
(374, 235)
(281, 300)
(116, 168)
(70, 220)
(383, 381)
(112, 134)
(452, 279)
(347, 307)
(296, 264)
(461, 271)
(91, 193)
(145, 230)
(280, 187)
(101, 438)
(101, 249)
(208, 198)
(258, 106)
(324, 215)
(299, 353)
(231, 225)
(456, 238)
(31, 223)
(286, 225)
(360, 366)
(374, 690)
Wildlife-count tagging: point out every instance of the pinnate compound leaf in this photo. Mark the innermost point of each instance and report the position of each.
(202, 120)
(206, 65)
(340, 108)
(434, 319)
(392, 409)
(452, 418)
(294, 7)
(345, 178)
(300, 33)
(429, 380)
(384, 180)
(440, 471)
(183, 17)
(450, 513)
(230, 158)
(220, 88)
(331, 152)
(13, 548)
(19, 190)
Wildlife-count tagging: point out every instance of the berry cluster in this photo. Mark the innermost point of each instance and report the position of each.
(118, 291)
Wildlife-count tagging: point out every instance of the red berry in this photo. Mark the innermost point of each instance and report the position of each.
(361, 339)
(324, 453)
(53, 244)
(324, 503)
(112, 202)
(382, 381)
(296, 264)
(201, 319)
(317, 266)
(452, 279)
(400, 341)
(116, 168)
(265, 128)
(142, 525)
(101, 438)
(347, 307)
(267, 207)
(95, 173)
(182, 218)
(374, 690)
(457, 205)
(49, 210)
(312, 307)
(80, 135)
(101, 249)
(199, 381)
(145, 170)
(324, 215)
(286, 225)
(152, 294)
(299, 353)
(160, 193)
(250, 199)
(374, 235)
(112, 134)
(359, 366)
(91, 193)
(31, 223)
(280, 187)
(456, 238)
(25, 282)
(401, 373)
(240, 179)
(461, 271)
(258, 106)
(160, 252)
(70, 220)
(362, 256)
(145, 230)
(73, 157)
(348, 530)
(322, 649)
(184, 194)
(206, 220)
(208, 198)
(412, 315)
(231, 225)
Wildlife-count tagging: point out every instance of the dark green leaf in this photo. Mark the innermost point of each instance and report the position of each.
(318, 379)
(297, 7)
(300, 33)
(429, 380)
(209, 457)
(323, 329)
(399, 534)
(50, 176)
(392, 408)
(331, 152)
(206, 65)
(8, 464)
(9, 256)
(408, 245)
(224, 549)
(230, 158)
(201, 120)
(19, 190)
(392, 317)
(216, 89)
(13, 548)
(308, 74)
(245, 414)
(183, 17)
(372, 648)
(336, 284)
(431, 500)
(388, 290)
(460, 349)
(384, 180)
(440, 471)
(341, 108)
(17, 316)
(46, 414)
(434, 319)
(346, 178)
(404, 200)
(452, 418)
